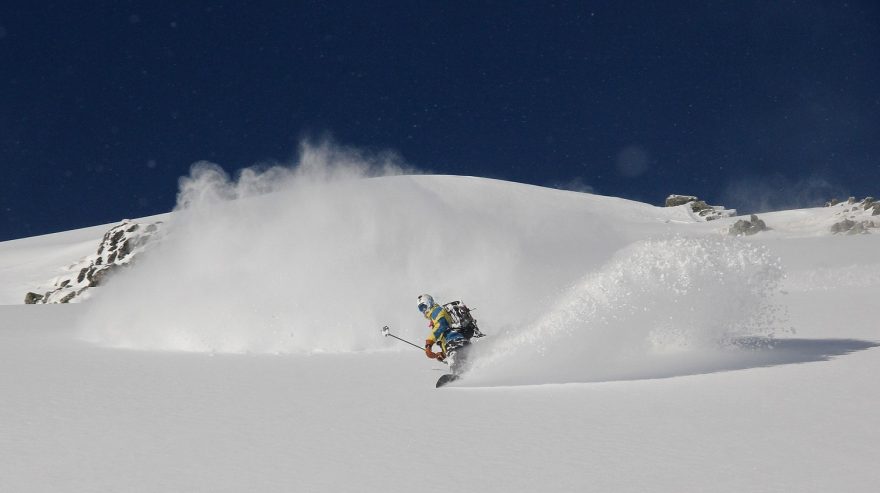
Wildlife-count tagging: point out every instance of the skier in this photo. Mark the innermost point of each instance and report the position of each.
(453, 345)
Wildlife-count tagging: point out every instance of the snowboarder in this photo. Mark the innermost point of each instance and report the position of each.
(453, 345)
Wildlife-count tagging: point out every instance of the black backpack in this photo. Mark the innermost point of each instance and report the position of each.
(462, 320)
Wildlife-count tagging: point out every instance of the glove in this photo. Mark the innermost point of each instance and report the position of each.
(440, 356)
(428, 345)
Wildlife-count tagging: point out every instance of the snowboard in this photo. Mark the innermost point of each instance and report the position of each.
(449, 377)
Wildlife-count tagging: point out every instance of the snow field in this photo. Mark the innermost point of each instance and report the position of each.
(629, 349)
(79, 417)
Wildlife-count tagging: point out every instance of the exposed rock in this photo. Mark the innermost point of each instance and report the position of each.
(856, 219)
(119, 246)
(750, 227)
(98, 277)
(32, 298)
(864, 207)
(842, 226)
(860, 228)
(677, 200)
(124, 250)
(851, 227)
(68, 297)
(699, 207)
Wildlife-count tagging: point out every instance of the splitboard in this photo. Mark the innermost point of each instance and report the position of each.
(449, 377)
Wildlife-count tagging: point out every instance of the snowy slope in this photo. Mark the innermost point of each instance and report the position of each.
(29, 262)
(631, 348)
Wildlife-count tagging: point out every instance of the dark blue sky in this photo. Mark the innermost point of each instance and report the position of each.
(748, 103)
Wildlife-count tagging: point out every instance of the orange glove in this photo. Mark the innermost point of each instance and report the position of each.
(431, 354)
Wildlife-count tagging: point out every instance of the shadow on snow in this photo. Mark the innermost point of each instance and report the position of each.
(741, 354)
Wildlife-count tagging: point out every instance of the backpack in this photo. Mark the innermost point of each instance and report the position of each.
(462, 320)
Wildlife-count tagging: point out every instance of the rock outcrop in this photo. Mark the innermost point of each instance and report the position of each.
(699, 207)
(747, 228)
(868, 204)
(117, 249)
(858, 215)
(851, 227)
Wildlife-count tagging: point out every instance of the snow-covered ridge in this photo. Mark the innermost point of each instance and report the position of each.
(118, 248)
(125, 241)
(850, 217)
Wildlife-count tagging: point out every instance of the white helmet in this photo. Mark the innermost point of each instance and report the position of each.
(425, 302)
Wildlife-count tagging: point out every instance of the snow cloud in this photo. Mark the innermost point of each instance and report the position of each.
(659, 308)
(318, 256)
(270, 261)
(778, 192)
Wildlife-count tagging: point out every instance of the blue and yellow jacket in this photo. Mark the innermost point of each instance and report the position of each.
(441, 328)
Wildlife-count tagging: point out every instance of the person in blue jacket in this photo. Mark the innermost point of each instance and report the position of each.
(453, 345)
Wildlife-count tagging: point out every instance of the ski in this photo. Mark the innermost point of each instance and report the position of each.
(449, 377)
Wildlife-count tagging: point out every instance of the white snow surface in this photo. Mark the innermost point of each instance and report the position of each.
(629, 347)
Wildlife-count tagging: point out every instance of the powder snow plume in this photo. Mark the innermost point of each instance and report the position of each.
(255, 264)
(317, 257)
(660, 308)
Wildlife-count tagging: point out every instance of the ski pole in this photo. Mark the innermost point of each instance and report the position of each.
(387, 333)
